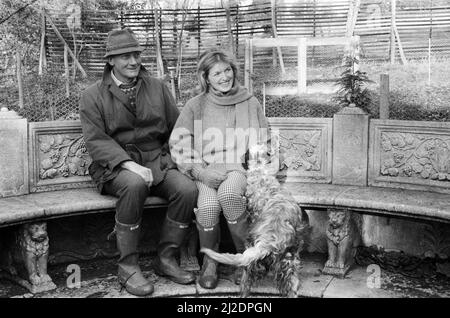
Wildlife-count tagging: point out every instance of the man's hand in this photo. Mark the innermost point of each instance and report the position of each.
(142, 171)
(211, 178)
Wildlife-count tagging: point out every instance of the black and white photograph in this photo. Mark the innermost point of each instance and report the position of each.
(225, 156)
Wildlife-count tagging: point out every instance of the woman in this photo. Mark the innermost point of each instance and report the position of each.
(208, 144)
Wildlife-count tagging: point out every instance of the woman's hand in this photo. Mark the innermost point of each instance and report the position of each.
(212, 178)
(142, 171)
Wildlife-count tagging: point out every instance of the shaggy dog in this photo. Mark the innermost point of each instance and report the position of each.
(278, 229)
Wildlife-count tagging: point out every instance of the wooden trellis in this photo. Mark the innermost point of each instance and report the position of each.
(302, 44)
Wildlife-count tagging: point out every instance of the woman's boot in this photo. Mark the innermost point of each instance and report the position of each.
(129, 273)
(209, 238)
(239, 232)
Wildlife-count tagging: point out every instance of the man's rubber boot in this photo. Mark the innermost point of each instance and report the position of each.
(129, 272)
(167, 263)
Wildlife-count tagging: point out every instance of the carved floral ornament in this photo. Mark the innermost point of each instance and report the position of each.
(415, 155)
(63, 156)
(301, 150)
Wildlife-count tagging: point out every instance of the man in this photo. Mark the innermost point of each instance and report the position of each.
(127, 118)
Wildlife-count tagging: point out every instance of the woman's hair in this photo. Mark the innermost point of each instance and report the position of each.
(207, 61)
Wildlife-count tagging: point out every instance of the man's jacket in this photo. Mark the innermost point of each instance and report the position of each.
(114, 134)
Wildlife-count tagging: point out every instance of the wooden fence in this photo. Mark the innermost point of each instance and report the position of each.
(200, 28)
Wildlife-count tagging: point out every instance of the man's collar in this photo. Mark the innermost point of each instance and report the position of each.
(117, 81)
(107, 78)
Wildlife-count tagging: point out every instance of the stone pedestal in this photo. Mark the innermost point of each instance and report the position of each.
(350, 146)
(13, 154)
(350, 167)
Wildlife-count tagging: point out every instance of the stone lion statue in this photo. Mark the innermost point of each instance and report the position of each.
(27, 258)
(342, 238)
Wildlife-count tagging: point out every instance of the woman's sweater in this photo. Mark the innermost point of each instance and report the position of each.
(215, 131)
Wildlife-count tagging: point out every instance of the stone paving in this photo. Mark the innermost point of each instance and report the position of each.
(98, 280)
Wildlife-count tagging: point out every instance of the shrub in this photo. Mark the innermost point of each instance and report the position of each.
(352, 86)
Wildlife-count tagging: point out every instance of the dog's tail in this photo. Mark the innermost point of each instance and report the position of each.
(251, 254)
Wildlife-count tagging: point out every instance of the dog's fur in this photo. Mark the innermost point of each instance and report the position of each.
(278, 230)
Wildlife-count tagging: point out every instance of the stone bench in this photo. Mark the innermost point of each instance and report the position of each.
(44, 177)
(47, 175)
(60, 203)
(357, 201)
(347, 165)
(364, 171)
(400, 203)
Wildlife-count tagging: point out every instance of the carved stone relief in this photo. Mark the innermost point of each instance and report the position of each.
(62, 156)
(301, 150)
(415, 156)
(58, 156)
(305, 148)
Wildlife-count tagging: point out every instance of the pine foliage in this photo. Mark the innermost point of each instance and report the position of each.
(352, 84)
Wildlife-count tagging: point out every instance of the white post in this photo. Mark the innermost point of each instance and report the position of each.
(275, 34)
(392, 32)
(429, 61)
(247, 64)
(19, 78)
(264, 98)
(66, 70)
(301, 71)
